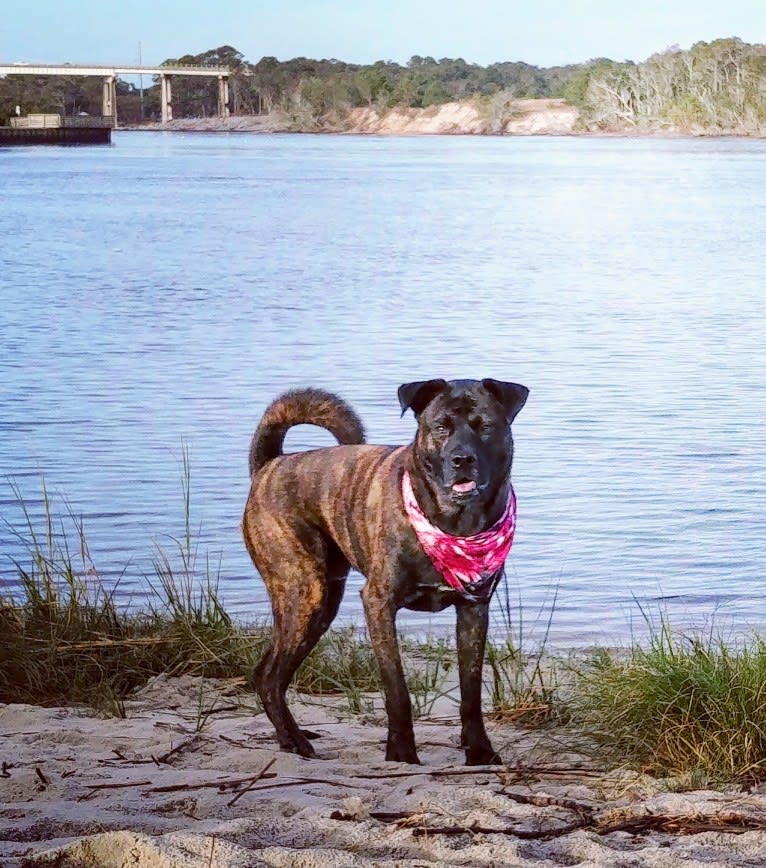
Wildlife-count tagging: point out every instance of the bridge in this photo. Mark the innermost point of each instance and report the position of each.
(110, 74)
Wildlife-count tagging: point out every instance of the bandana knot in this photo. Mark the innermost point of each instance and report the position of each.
(471, 565)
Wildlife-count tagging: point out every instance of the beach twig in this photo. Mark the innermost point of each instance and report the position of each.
(177, 749)
(238, 742)
(221, 785)
(514, 773)
(641, 824)
(157, 760)
(524, 834)
(94, 788)
(543, 801)
(435, 773)
(407, 819)
(254, 781)
(383, 816)
(681, 824)
(292, 782)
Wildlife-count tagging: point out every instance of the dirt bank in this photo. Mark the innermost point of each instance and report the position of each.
(470, 117)
(521, 117)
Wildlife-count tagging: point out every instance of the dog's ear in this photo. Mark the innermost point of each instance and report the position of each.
(512, 396)
(419, 395)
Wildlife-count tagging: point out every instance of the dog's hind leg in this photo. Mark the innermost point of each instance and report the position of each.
(303, 610)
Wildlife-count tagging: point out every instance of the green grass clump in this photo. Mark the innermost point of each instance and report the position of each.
(64, 639)
(524, 687)
(681, 706)
(342, 663)
(430, 670)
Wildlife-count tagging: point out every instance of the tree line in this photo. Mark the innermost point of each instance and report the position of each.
(300, 86)
(718, 86)
(714, 87)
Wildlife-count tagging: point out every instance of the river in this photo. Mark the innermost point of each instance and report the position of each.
(155, 295)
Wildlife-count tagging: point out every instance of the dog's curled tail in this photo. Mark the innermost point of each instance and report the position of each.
(302, 407)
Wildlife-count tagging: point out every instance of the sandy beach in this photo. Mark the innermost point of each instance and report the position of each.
(192, 777)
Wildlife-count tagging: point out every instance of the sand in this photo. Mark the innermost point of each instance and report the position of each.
(528, 117)
(192, 777)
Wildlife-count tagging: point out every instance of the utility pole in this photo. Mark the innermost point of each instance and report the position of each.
(140, 86)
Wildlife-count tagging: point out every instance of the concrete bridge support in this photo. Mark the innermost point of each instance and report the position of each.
(166, 98)
(109, 98)
(223, 96)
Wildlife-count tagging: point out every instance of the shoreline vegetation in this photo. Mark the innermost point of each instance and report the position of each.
(683, 705)
(710, 89)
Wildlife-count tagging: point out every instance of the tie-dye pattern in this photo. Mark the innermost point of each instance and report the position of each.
(471, 565)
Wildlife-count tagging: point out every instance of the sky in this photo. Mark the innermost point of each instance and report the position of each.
(540, 32)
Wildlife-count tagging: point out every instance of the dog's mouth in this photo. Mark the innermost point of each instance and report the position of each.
(464, 487)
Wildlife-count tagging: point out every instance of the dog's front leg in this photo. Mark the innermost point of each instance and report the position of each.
(381, 624)
(472, 621)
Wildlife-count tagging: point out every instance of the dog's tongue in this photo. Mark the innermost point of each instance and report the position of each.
(463, 487)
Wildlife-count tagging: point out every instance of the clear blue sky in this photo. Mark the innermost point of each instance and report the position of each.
(541, 32)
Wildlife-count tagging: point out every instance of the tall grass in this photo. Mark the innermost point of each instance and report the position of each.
(187, 609)
(343, 663)
(524, 686)
(61, 607)
(64, 639)
(430, 670)
(682, 705)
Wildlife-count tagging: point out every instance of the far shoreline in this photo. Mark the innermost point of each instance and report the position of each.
(547, 118)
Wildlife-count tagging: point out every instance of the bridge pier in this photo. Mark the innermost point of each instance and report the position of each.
(166, 98)
(109, 98)
(223, 96)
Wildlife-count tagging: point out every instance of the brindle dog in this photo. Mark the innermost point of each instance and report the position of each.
(312, 515)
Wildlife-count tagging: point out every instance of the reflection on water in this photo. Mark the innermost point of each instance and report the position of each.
(161, 292)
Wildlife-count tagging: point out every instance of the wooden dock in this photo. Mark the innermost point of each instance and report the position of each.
(51, 129)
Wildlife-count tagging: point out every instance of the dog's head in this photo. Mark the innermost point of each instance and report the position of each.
(464, 444)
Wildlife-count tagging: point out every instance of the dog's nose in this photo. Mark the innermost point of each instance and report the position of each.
(461, 459)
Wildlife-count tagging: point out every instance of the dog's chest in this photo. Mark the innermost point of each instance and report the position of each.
(420, 586)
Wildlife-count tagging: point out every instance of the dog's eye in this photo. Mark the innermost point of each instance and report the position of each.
(482, 426)
(439, 428)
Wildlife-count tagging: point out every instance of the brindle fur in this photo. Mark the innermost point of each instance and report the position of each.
(311, 516)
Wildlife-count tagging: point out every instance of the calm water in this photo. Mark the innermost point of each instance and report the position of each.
(162, 291)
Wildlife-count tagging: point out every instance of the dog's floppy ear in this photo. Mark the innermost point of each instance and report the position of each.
(419, 395)
(512, 396)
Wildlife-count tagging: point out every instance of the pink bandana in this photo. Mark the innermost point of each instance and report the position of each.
(470, 564)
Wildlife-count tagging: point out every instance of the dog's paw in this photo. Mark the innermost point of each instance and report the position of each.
(484, 756)
(401, 753)
(302, 746)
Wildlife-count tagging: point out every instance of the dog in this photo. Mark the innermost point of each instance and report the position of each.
(428, 524)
